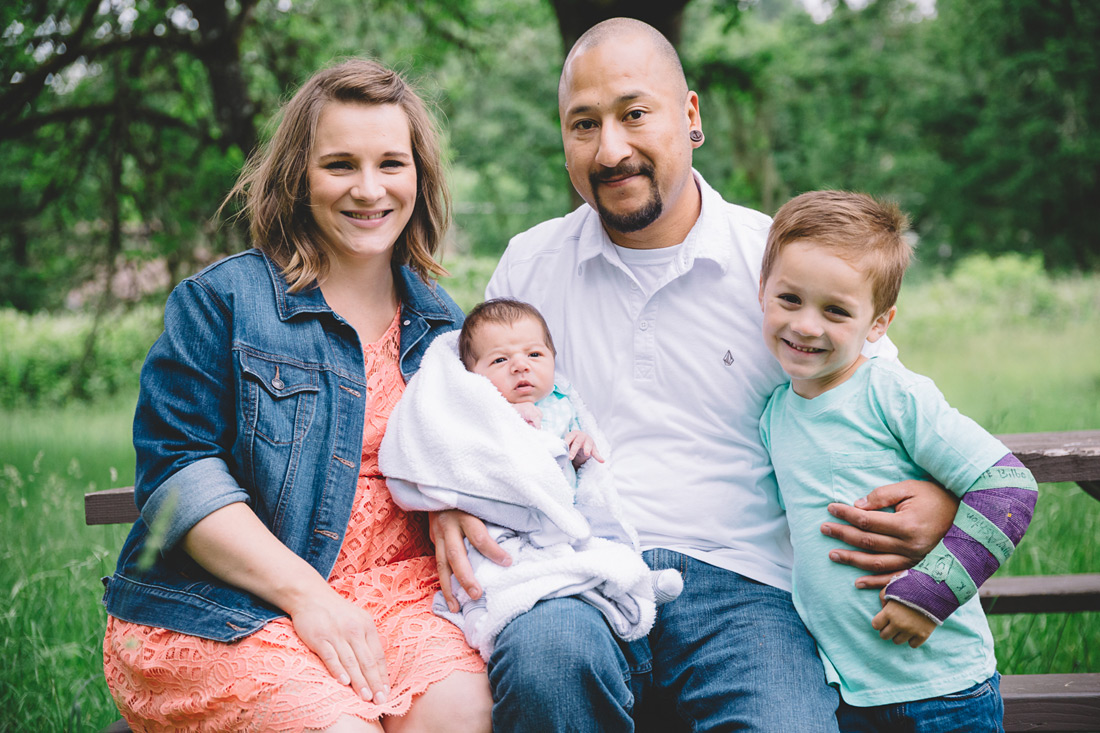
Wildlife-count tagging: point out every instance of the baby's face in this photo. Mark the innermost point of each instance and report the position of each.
(515, 358)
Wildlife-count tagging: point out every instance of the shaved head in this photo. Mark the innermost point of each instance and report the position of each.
(621, 29)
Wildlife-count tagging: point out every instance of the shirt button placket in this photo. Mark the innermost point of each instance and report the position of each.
(644, 343)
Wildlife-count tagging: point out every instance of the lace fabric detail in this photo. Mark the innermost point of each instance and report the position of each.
(270, 680)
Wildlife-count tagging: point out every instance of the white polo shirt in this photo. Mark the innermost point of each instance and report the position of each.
(677, 380)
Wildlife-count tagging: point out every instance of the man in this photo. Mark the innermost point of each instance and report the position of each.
(650, 292)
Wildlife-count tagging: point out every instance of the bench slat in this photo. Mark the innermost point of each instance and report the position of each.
(1051, 457)
(1051, 702)
(111, 506)
(1066, 456)
(1041, 593)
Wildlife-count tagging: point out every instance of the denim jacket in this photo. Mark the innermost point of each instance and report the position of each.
(251, 394)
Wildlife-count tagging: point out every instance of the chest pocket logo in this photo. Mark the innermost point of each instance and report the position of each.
(278, 398)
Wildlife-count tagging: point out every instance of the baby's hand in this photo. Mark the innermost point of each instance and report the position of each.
(530, 413)
(902, 624)
(581, 447)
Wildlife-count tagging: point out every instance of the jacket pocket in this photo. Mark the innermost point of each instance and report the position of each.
(279, 397)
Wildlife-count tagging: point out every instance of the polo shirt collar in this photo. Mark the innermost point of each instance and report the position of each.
(708, 239)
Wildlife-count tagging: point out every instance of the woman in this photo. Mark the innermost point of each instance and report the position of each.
(271, 583)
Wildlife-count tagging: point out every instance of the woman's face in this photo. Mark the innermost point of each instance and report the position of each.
(362, 179)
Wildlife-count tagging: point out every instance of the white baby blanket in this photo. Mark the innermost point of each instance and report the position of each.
(454, 442)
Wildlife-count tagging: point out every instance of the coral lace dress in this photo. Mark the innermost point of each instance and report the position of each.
(270, 680)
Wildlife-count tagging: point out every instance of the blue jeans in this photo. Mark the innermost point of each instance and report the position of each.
(977, 709)
(728, 654)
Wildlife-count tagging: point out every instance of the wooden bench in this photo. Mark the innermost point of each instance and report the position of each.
(1046, 702)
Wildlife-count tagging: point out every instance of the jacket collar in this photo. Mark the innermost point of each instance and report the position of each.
(416, 296)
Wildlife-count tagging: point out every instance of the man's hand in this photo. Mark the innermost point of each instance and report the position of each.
(889, 542)
(447, 530)
(898, 623)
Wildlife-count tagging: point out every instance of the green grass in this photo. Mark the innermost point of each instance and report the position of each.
(1024, 358)
(51, 628)
(1012, 368)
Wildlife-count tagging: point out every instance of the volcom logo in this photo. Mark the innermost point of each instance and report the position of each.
(728, 359)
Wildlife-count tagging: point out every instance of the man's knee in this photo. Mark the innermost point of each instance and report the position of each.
(558, 644)
(558, 667)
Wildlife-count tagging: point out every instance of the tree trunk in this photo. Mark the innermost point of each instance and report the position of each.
(577, 16)
(220, 52)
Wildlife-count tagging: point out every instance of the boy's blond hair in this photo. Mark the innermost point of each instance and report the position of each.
(858, 227)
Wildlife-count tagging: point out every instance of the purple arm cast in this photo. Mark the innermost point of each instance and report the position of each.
(1008, 508)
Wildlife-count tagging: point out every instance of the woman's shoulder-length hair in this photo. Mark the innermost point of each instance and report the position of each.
(274, 184)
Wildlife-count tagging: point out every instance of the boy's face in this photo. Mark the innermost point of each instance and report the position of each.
(818, 312)
(515, 358)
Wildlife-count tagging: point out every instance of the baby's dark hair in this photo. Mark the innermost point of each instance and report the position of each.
(504, 311)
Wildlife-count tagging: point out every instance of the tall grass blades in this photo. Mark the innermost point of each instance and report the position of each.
(51, 626)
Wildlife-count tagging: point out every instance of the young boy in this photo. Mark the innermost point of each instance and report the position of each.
(484, 427)
(829, 282)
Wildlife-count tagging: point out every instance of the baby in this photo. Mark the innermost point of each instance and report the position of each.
(486, 427)
(831, 273)
(508, 343)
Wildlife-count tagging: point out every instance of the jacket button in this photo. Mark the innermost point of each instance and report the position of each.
(277, 383)
(405, 323)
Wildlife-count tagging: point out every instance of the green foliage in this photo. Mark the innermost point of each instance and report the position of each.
(40, 355)
(1018, 127)
(983, 291)
(981, 122)
(469, 276)
(51, 630)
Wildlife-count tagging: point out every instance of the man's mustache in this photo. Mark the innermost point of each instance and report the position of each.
(622, 171)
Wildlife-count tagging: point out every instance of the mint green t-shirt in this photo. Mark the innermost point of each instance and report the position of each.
(885, 424)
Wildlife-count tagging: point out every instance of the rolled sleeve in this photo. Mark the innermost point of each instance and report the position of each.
(207, 486)
(185, 422)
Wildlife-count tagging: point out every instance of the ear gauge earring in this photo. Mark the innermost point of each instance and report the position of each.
(696, 136)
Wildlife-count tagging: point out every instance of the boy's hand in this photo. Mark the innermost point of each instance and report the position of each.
(581, 448)
(530, 413)
(901, 624)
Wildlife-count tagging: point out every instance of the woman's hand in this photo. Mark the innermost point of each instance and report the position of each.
(447, 529)
(234, 545)
(345, 638)
(891, 541)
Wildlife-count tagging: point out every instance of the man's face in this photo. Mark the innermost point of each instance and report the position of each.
(625, 120)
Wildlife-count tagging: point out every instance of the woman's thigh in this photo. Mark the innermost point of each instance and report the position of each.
(461, 702)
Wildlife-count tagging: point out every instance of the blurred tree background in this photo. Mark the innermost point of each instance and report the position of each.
(124, 122)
